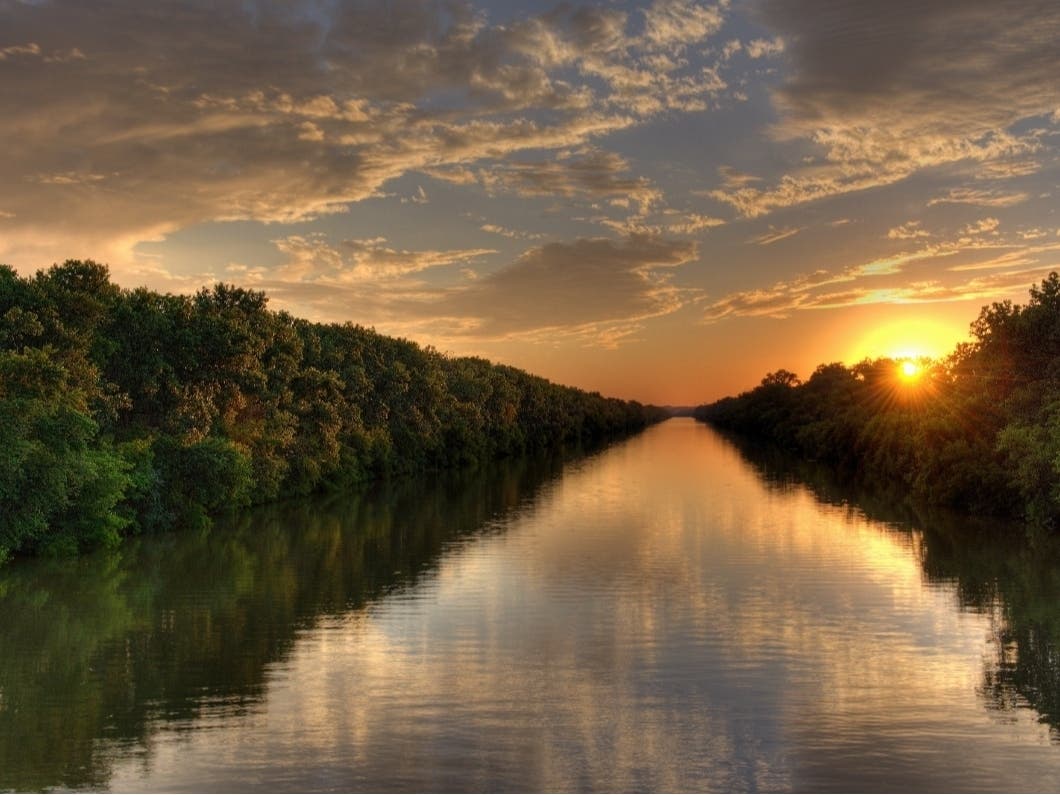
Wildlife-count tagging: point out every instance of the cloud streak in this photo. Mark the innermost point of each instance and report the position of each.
(921, 275)
(587, 172)
(775, 235)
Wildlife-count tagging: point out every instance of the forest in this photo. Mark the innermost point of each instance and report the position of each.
(978, 430)
(129, 411)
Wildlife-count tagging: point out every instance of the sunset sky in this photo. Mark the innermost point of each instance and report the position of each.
(660, 201)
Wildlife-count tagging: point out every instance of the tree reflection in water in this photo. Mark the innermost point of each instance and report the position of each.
(997, 569)
(184, 627)
(188, 632)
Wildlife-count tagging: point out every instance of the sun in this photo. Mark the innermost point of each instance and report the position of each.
(909, 371)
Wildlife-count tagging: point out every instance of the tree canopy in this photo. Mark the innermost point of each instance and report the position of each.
(125, 411)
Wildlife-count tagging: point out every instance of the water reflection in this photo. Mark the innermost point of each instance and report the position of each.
(662, 616)
(997, 568)
(174, 631)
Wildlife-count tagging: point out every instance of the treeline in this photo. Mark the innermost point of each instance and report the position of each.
(127, 411)
(979, 430)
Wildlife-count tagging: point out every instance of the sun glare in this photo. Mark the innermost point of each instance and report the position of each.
(905, 340)
(909, 370)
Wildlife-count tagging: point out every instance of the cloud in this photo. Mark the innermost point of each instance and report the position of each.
(669, 23)
(785, 298)
(454, 175)
(515, 234)
(984, 226)
(66, 178)
(980, 198)
(764, 48)
(419, 197)
(1033, 234)
(883, 91)
(285, 112)
(1019, 257)
(958, 69)
(587, 285)
(1013, 167)
(730, 49)
(594, 289)
(731, 178)
(312, 259)
(690, 223)
(907, 231)
(774, 235)
(591, 173)
(920, 275)
(15, 50)
(32, 49)
(856, 159)
(669, 221)
(649, 74)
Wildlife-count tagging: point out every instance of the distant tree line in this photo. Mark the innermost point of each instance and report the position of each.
(979, 430)
(127, 411)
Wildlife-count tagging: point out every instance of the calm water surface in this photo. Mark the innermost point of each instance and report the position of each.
(664, 615)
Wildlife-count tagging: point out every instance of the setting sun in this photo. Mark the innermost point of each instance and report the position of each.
(909, 370)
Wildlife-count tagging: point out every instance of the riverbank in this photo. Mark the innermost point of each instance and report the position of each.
(978, 431)
(130, 411)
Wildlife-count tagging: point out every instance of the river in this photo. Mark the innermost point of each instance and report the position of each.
(666, 614)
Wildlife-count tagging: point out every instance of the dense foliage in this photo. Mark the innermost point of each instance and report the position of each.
(125, 411)
(979, 430)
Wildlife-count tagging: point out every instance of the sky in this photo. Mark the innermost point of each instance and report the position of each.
(657, 200)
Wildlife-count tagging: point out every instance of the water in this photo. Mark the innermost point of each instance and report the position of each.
(663, 615)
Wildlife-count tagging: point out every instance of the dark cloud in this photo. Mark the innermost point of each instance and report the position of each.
(969, 66)
(589, 287)
(570, 285)
(886, 89)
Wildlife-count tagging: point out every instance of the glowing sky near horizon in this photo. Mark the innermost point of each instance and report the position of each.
(660, 201)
